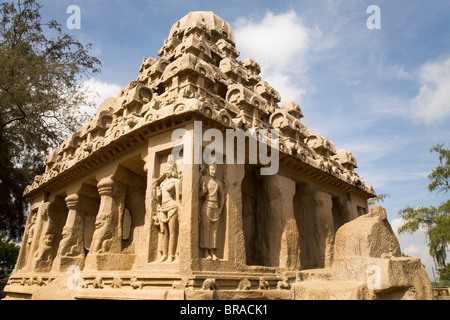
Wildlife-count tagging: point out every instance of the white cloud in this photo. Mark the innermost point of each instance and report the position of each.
(386, 177)
(396, 224)
(375, 147)
(277, 41)
(280, 44)
(432, 104)
(416, 251)
(400, 73)
(98, 91)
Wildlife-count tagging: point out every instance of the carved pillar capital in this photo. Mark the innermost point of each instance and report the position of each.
(110, 188)
(105, 187)
(72, 201)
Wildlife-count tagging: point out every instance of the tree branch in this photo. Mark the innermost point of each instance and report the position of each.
(13, 120)
(23, 116)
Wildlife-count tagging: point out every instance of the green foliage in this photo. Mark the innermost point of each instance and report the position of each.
(435, 220)
(444, 272)
(440, 177)
(8, 256)
(40, 95)
(378, 199)
(404, 255)
(440, 283)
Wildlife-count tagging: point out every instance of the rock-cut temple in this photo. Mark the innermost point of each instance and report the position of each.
(116, 216)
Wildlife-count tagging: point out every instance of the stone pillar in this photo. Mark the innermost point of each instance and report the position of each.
(325, 225)
(235, 233)
(106, 248)
(40, 226)
(106, 238)
(51, 222)
(188, 236)
(144, 255)
(284, 236)
(71, 247)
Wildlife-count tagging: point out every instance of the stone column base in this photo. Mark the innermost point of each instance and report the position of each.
(109, 262)
(62, 264)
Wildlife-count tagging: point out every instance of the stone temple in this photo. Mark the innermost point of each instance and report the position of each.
(117, 216)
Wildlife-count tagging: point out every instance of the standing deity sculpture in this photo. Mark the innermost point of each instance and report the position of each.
(167, 192)
(30, 233)
(45, 250)
(211, 191)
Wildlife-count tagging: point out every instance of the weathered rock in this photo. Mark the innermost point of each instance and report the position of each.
(369, 236)
(367, 250)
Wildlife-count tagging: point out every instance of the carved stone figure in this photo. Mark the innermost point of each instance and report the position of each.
(117, 283)
(209, 284)
(263, 284)
(26, 255)
(211, 191)
(245, 284)
(283, 284)
(100, 242)
(135, 284)
(167, 193)
(98, 283)
(30, 232)
(46, 249)
(47, 238)
(71, 244)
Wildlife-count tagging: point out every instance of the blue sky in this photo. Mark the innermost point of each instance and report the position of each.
(383, 94)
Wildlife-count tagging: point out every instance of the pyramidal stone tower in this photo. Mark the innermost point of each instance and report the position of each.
(195, 183)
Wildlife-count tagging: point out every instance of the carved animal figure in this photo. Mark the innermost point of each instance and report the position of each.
(263, 284)
(84, 284)
(245, 284)
(98, 283)
(100, 242)
(209, 284)
(283, 284)
(135, 284)
(117, 283)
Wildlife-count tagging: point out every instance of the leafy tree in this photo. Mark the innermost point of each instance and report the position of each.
(435, 220)
(8, 256)
(41, 69)
(444, 273)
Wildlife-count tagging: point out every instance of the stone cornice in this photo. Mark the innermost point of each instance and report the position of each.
(140, 135)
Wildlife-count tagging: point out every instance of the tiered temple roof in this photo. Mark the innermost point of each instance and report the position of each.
(197, 71)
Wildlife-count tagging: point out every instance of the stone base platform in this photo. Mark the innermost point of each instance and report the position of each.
(139, 286)
(314, 284)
